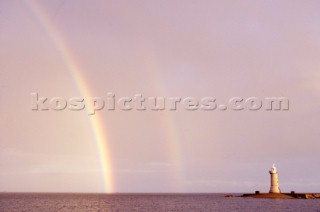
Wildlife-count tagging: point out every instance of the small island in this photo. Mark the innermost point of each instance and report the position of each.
(291, 195)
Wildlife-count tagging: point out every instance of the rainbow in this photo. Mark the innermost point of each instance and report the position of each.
(96, 123)
(169, 126)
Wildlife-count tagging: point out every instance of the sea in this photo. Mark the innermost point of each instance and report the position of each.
(79, 202)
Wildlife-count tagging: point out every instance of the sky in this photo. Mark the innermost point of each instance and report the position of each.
(219, 49)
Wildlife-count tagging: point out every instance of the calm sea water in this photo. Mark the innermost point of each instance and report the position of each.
(147, 202)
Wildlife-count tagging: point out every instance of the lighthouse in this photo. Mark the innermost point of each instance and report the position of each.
(274, 188)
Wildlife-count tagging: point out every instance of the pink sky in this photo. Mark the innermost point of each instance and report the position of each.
(166, 48)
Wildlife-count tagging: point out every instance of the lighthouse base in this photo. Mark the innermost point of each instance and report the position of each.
(274, 190)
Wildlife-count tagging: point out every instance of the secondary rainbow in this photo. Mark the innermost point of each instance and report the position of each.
(96, 123)
(168, 122)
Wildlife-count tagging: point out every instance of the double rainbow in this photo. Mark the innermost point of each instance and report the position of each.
(100, 137)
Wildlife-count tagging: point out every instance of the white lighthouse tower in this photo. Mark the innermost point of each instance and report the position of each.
(274, 180)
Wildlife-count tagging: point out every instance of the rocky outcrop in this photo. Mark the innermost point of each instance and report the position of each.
(291, 195)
